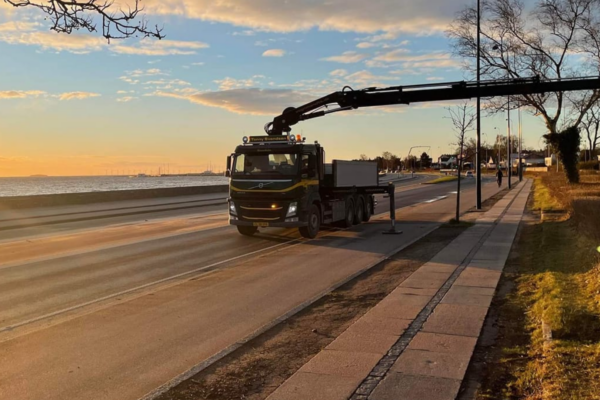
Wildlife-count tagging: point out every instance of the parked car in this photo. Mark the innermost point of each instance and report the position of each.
(469, 174)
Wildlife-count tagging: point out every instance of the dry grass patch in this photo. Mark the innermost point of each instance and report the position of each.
(548, 343)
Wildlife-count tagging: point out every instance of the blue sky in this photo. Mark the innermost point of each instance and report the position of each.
(77, 105)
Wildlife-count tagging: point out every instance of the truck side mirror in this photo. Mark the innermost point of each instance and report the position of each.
(228, 169)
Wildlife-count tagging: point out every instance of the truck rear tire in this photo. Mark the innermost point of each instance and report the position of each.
(359, 212)
(247, 230)
(348, 220)
(367, 214)
(314, 223)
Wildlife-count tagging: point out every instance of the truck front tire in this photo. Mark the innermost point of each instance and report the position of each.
(314, 223)
(247, 230)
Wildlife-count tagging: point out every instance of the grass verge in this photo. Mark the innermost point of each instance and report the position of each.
(547, 344)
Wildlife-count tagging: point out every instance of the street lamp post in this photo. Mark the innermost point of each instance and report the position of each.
(520, 147)
(478, 146)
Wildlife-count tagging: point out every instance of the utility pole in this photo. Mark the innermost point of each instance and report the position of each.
(478, 146)
(520, 147)
(508, 160)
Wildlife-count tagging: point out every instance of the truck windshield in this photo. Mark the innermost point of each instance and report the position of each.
(266, 164)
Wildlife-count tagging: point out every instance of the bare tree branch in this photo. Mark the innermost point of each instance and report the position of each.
(67, 16)
(541, 42)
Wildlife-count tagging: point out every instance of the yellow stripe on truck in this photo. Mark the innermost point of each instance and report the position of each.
(304, 183)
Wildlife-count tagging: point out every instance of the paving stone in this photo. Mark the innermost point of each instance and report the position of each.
(429, 273)
(398, 386)
(351, 364)
(392, 310)
(478, 277)
(303, 386)
(470, 295)
(430, 363)
(423, 283)
(367, 342)
(380, 324)
(456, 319)
(409, 290)
(401, 299)
(495, 265)
(441, 343)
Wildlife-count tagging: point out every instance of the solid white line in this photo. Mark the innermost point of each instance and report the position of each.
(124, 292)
(434, 200)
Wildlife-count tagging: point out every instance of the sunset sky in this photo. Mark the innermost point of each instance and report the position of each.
(76, 105)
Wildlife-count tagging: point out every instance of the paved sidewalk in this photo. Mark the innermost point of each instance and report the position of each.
(417, 342)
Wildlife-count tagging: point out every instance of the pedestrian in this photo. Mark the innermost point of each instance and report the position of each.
(499, 177)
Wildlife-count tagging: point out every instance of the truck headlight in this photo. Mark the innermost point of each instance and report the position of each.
(292, 209)
(232, 210)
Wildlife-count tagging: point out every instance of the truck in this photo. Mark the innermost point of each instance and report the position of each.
(278, 180)
(282, 181)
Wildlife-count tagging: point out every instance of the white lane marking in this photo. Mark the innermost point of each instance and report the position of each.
(121, 243)
(138, 288)
(434, 200)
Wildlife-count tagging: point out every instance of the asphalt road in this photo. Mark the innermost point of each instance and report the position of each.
(29, 223)
(116, 310)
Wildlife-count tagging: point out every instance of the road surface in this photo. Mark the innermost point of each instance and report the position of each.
(116, 310)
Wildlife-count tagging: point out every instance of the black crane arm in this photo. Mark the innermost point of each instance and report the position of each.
(349, 99)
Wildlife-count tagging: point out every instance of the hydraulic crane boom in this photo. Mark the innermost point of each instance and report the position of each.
(349, 99)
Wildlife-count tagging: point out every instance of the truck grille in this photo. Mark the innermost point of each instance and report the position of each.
(262, 212)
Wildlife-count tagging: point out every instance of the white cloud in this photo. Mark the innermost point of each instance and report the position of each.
(338, 72)
(152, 47)
(126, 99)
(435, 78)
(394, 55)
(347, 57)
(74, 43)
(18, 26)
(365, 45)
(25, 33)
(339, 15)
(274, 53)
(232, 83)
(20, 94)
(197, 64)
(434, 60)
(77, 95)
(366, 78)
(244, 33)
(245, 101)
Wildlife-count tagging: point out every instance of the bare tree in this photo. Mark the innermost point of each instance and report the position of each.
(67, 16)
(363, 157)
(555, 39)
(388, 159)
(463, 118)
(591, 125)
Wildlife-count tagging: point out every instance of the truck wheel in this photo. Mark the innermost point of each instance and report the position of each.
(247, 230)
(349, 219)
(367, 214)
(359, 213)
(314, 223)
